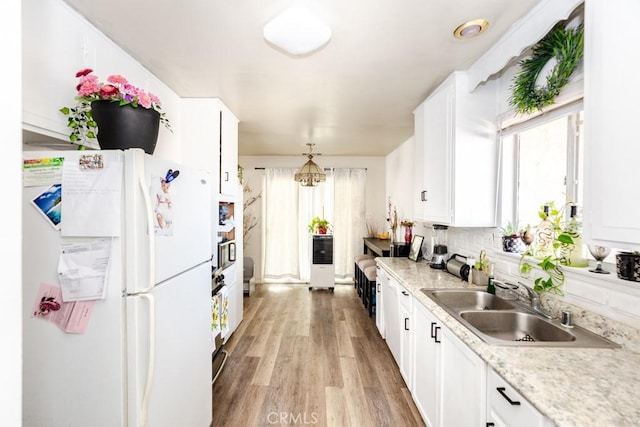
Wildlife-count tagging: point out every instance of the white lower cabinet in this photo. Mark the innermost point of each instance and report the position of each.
(426, 360)
(406, 335)
(381, 283)
(507, 408)
(231, 278)
(392, 317)
(449, 380)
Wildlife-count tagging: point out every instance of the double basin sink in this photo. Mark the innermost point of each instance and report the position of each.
(498, 321)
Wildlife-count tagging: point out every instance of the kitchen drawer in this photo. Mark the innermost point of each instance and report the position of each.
(405, 298)
(506, 407)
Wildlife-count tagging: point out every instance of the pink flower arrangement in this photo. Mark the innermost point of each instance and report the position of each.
(116, 89)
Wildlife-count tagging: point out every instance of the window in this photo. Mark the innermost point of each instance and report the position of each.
(541, 162)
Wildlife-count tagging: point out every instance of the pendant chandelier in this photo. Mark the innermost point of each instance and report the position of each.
(310, 174)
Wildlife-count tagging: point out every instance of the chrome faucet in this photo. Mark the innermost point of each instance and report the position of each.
(533, 296)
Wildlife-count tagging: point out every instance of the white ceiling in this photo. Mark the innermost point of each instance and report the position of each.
(353, 97)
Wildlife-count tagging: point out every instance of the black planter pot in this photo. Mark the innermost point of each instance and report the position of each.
(512, 244)
(125, 127)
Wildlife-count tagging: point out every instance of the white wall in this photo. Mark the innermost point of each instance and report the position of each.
(375, 197)
(11, 218)
(399, 181)
(56, 43)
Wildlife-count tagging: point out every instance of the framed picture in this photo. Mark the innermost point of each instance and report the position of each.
(416, 246)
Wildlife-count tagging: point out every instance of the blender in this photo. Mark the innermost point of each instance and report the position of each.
(439, 241)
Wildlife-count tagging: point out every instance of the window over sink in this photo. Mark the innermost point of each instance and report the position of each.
(541, 161)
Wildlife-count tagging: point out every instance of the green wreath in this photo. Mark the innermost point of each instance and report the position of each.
(566, 45)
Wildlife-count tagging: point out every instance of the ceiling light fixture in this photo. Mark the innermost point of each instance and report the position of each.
(297, 31)
(471, 29)
(310, 174)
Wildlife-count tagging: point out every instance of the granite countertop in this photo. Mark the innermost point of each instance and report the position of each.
(571, 386)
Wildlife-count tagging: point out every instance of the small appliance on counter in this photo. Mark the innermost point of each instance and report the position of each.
(457, 265)
(439, 241)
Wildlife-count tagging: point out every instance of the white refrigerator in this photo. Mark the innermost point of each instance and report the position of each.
(144, 358)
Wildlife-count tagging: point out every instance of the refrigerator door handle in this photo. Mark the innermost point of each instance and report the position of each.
(150, 228)
(144, 408)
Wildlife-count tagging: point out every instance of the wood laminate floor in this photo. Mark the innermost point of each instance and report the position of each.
(304, 357)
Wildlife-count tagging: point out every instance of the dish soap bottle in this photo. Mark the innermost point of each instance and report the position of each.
(573, 255)
(544, 235)
(491, 288)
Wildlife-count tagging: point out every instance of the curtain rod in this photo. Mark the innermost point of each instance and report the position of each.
(327, 169)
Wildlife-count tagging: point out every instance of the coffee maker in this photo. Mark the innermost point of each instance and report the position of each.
(439, 245)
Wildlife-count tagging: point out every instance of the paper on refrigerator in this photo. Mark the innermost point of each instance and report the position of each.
(71, 317)
(92, 193)
(82, 270)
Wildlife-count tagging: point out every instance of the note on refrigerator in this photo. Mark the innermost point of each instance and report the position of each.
(71, 317)
(92, 193)
(82, 270)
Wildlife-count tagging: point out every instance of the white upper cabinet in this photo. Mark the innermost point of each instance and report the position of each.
(612, 151)
(228, 152)
(201, 135)
(456, 157)
(210, 141)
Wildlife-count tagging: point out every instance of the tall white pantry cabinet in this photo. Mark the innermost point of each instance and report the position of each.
(210, 142)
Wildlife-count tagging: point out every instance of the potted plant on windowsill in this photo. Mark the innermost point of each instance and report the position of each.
(319, 226)
(511, 241)
(551, 263)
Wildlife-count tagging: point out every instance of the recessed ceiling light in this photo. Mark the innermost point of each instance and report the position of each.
(471, 28)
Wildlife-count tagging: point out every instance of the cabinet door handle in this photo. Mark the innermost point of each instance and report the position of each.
(405, 293)
(433, 334)
(436, 337)
(378, 287)
(490, 424)
(501, 390)
(406, 328)
(423, 196)
(226, 176)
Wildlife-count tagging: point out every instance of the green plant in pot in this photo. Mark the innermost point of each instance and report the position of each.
(319, 226)
(480, 270)
(553, 276)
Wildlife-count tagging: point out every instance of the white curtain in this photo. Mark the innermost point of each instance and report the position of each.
(288, 209)
(349, 218)
(281, 231)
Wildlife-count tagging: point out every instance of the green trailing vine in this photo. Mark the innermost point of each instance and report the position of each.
(566, 46)
(551, 264)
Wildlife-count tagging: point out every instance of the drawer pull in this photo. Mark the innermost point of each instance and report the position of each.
(405, 293)
(490, 424)
(501, 390)
(406, 328)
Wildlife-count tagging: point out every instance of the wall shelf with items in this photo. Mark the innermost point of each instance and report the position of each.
(226, 221)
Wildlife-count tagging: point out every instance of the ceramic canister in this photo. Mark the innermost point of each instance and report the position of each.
(628, 266)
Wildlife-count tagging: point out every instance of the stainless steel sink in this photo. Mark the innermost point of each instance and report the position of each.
(470, 299)
(515, 326)
(509, 323)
